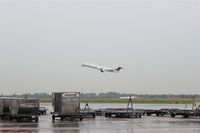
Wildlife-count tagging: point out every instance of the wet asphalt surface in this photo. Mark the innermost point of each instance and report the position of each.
(101, 124)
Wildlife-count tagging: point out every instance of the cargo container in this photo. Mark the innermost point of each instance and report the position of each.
(4, 107)
(1, 106)
(66, 105)
(19, 108)
(24, 109)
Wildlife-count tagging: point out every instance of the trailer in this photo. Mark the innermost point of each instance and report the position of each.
(122, 113)
(128, 112)
(42, 111)
(185, 113)
(24, 109)
(87, 112)
(66, 105)
(100, 112)
(159, 112)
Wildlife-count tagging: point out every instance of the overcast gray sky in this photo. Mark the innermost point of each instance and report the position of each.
(44, 42)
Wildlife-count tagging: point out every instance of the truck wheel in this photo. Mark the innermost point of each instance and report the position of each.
(185, 115)
(61, 118)
(53, 117)
(106, 115)
(30, 119)
(18, 119)
(172, 115)
(148, 114)
(71, 119)
(36, 119)
(81, 118)
(10, 118)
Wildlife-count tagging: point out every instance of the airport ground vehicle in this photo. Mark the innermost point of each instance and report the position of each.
(88, 112)
(128, 112)
(19, 108)
(5, 103)
(122, 113)
(42, 111)
(66, 105)
(185, 113)
(24, 109)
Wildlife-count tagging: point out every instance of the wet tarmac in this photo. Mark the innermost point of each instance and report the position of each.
(100, 124)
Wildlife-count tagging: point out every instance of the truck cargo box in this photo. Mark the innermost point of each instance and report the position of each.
(66, 105)
(24, 109)
(1, 106)
(19, 108)
(66, 102)
(4, 107)
(24, 106)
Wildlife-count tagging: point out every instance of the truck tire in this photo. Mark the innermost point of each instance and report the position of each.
(148, 114)
(61, 118)
(53, 117)
(186, 116)
(172, 115)
(81, 118)
(36, 119)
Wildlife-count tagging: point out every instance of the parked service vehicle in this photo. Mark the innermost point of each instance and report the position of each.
(5, 102)
(42, 111)
(1, 107)
(88, 112)
(19, 108)
(24, 109)
(66, 105)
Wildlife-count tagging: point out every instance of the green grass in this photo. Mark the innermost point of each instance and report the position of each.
(136, 100)
(141, 100)
(45, 100)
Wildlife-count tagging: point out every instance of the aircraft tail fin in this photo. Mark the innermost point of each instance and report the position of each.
(83, 64)
(119, 68)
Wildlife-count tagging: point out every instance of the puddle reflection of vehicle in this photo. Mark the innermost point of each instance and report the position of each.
(42, 111)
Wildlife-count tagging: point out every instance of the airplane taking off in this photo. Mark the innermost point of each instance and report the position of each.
(102, 68)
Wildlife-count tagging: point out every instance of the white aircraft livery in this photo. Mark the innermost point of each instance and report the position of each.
(102, 68)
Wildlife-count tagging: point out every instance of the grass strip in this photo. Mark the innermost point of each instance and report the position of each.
(135, 100)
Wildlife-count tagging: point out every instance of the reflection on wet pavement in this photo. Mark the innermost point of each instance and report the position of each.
(150, 124)
(101, 124)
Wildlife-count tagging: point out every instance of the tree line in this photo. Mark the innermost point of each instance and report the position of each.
(109, 95)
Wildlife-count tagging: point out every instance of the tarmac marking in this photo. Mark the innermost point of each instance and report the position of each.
(139, 125)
